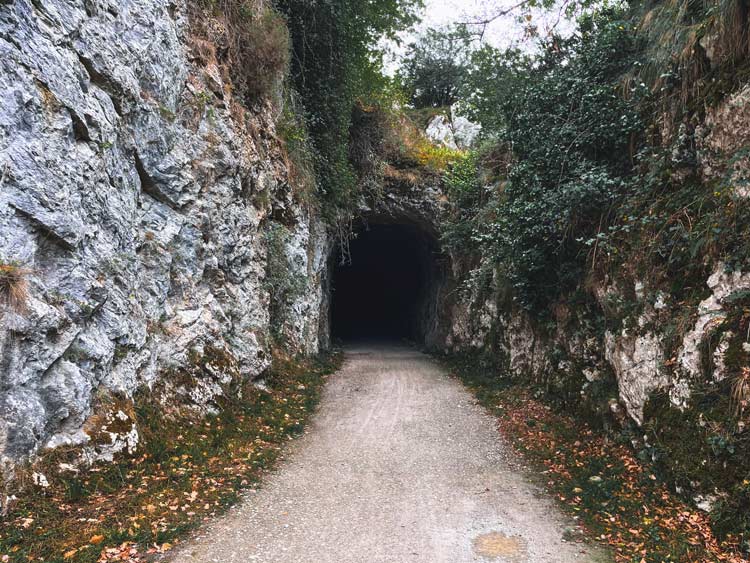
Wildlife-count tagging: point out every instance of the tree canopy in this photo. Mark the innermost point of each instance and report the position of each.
(434, 71)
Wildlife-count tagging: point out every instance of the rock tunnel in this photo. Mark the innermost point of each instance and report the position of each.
(389, 285)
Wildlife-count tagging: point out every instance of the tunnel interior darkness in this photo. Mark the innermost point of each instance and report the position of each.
(380, 289)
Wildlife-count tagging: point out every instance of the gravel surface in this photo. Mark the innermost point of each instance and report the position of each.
(399, 465)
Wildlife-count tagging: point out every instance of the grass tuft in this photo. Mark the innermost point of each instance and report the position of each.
(14, 287)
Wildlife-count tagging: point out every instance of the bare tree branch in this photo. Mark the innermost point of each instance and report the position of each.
(483, 23)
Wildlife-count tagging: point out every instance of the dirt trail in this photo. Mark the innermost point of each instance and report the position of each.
(399, 465)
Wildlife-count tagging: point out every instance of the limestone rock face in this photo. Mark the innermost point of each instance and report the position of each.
(135, 198)
(454, 131)
(711, 313)
(465, 132)
(440, 130)
(637, 361)
(722, 142)
(634, 356)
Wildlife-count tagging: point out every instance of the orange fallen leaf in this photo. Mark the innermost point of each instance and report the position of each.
(96, 539)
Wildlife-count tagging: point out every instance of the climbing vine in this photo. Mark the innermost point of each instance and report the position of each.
(334, 63)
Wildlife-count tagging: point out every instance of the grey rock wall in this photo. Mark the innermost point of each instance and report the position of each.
(134, 193)
(634, 356)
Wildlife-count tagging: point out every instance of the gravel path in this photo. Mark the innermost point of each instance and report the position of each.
(399, 465)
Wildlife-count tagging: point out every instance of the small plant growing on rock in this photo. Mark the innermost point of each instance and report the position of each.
(14, 287)
(257, 43)
(741, 392)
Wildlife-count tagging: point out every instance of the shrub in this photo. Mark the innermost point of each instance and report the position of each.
(14, 287)
(436, 157)
(571, 135)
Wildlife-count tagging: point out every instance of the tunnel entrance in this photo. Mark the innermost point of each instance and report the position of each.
(385, 287)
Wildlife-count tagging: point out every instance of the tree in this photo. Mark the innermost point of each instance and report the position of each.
(434, 71)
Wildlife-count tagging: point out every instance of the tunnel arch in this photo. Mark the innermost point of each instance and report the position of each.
(389, 282)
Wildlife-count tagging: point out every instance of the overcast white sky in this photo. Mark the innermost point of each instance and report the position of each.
(439, 13)
(503, 32)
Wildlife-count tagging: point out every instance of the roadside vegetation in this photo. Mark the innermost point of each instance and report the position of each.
(186, 469)
(597, 478)
(588, 173)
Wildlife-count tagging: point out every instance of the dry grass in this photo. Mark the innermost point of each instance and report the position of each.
(253, 43)
(741, 392)
(687, 38)
(14, 287)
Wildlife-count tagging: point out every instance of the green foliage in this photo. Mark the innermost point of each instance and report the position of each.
(434, 71)
(570, 133)
(300, 156)
(335, 63)
(464, 189)
(283, 286)
(590, 187)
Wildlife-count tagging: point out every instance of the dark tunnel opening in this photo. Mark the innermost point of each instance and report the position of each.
(382, 288)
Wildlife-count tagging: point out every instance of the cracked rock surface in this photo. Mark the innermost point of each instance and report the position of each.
(138, 205)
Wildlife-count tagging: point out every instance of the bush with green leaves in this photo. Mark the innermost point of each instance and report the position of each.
(434, 72)
(563, 118)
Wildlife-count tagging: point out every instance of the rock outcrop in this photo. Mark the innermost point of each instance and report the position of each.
(455, 131)
(135, 198)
